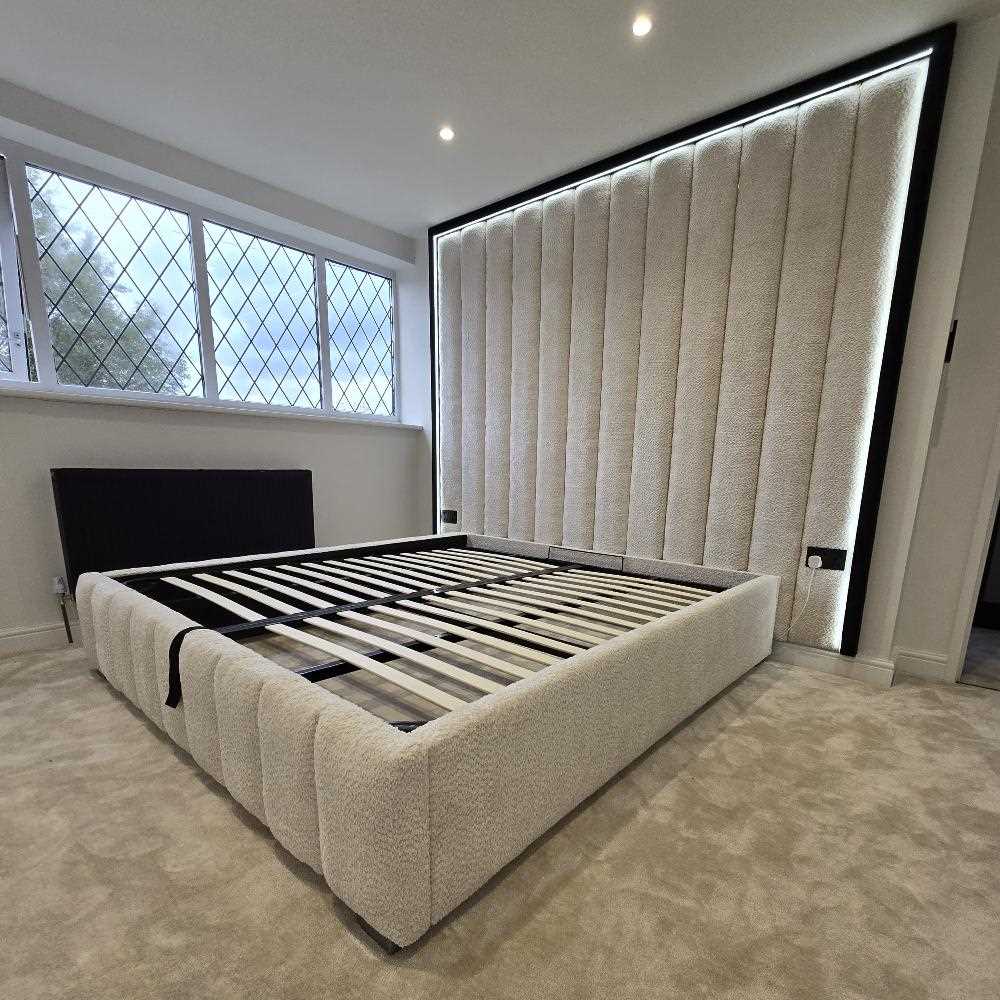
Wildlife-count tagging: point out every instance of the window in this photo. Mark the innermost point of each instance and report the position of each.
(263, 318)
(360, 320)
(116, 273)
(124, 292)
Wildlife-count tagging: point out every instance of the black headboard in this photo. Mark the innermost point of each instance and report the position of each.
(120, 518)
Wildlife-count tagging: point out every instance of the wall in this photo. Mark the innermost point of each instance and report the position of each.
(950, 533)
(368, 480)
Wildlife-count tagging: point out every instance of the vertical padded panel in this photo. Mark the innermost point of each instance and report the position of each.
(200, 655)
(121, 607)
(287, 715)
(238, 684)
(888, 111)
(553, 364)
(586, 353)
(100, 603)
(168, 624)
(662, 308)
(699, 365)
(473, 377)
(622, 325)
(374, 793)
(820, 172)
(499, 280)
(142, 644)
(85, 612)
(758, 244)
(525, 323)
(449, 382)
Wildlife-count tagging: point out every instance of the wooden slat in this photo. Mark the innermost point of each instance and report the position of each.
(542, 621)
(417, 561)
(402, 652)
(606, 600)
(529, 604)
(309, 577)
(416, 687)
(587, 608)
(480, 566)
(411, 577)
(481, 616)
(651, 602)
(331, 569)
(651, 582)
(672, 601)
(371, 621)
(494, 557)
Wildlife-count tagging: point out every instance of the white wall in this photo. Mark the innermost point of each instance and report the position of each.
(950, 533)
(369, 481)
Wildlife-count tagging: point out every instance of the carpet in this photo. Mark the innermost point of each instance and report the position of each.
(804, 836)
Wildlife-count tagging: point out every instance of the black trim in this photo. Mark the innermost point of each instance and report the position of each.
(918, 195)
(941, 42)
(952, 332)
(174, 693)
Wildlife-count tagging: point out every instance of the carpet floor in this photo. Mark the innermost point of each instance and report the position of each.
(804, 836)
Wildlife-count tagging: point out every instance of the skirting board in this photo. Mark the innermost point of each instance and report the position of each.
(877, 672)
(925, 664)
(35, 637)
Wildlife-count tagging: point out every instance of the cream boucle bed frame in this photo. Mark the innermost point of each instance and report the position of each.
(405, 825)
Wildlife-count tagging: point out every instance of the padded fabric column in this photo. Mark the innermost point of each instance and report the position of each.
(659, 348)
(473, 378)
(499, 278)
(586, 356)
(553, 365)
(526, 314)
(699, 364)
(449, 381)
(679, 359)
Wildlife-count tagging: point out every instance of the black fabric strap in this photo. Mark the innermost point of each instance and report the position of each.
(174, 667)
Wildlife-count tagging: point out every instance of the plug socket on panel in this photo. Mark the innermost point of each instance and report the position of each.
(830, 558)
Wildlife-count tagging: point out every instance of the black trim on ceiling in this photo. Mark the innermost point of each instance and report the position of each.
(940, 43)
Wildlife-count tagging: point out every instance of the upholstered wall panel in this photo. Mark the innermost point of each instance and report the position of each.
(553, 365)
(526, 315)
(679, 359)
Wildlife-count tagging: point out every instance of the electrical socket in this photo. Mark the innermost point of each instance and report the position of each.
(59, 586)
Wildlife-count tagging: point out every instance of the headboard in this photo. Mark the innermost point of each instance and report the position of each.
(685, 351)
(119, 518)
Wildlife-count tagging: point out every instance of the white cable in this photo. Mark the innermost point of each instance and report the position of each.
(814, 563)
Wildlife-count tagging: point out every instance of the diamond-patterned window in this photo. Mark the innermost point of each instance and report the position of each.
(263, 298)
(361, 339)
(116, 273)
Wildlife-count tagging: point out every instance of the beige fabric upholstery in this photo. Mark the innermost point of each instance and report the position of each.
(405, 826)
(708, 326)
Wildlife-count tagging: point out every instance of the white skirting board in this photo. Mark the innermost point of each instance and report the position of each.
(31, 638)
(925, 664)
(877, 672)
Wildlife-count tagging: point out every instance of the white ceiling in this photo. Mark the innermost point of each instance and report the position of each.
(340, 101)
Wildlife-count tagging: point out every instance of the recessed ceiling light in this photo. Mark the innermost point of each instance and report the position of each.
(447, 133)
(641, 26)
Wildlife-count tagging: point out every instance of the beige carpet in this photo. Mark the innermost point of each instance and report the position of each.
(803, 837)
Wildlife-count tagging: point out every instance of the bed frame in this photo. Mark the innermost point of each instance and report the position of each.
(513, 680)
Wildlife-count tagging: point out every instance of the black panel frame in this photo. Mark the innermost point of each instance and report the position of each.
(940, 43)
(110, 518)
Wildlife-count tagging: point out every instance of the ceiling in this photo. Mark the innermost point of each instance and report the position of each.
(340, 101)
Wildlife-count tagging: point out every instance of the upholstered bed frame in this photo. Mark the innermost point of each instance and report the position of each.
(685, 357)
(407, 820)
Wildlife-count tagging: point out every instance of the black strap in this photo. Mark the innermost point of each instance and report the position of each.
(174, 667)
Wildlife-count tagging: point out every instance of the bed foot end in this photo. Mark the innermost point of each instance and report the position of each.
(389, 947)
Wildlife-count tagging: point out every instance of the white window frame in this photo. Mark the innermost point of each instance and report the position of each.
(15, 156)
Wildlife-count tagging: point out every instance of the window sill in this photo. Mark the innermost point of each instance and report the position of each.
(114, 397)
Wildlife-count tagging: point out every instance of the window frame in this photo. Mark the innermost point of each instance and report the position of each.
(14, 158)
